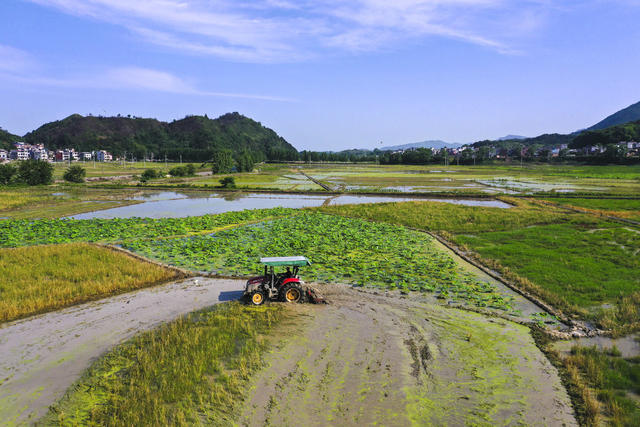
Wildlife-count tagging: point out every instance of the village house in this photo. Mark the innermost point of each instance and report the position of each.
(21, 152)
(38, 152)
(103, 156)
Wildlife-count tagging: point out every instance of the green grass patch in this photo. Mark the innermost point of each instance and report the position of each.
(583, 266)
(341, 249)
(191, 371)
(45, 278)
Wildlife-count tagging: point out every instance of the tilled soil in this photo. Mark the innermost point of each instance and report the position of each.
(369, 358)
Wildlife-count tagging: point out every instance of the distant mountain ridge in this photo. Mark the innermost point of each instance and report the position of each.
(424, 144)
(626, 115)
(511, 137)
(194, 138)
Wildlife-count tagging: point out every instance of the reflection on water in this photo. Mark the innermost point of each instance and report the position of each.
(169, 204)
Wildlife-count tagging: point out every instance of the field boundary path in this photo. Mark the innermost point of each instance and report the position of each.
(321, 184)
(42, 356)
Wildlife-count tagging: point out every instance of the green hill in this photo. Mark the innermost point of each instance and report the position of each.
(610, 135)
(7, 139)
(194, 138)
(626, 115)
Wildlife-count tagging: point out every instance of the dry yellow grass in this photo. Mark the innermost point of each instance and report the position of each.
(13, 199)
(43, 278)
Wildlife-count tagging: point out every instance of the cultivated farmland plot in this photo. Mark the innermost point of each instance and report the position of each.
(343, 250)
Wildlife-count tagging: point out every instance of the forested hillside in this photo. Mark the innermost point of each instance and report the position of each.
(626, 115)
(195, 138)
(611, 135)
(7, 139)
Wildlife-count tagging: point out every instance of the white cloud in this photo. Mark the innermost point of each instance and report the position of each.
(129, 78)
(284, 30)
(14, 60)
(145, 79)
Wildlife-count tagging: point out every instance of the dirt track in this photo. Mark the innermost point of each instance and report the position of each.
(373, 359)
(43, 355)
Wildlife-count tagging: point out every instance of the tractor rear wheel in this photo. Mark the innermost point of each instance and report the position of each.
(257, 298)
(292, 292)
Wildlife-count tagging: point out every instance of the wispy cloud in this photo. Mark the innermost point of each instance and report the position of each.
(284, 30)
(14, 60)
(127, 78)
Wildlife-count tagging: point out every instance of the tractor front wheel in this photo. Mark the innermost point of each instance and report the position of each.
(257, 298)
(292, 292)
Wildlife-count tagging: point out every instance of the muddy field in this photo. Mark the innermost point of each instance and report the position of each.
(368, 357)
(378, 358)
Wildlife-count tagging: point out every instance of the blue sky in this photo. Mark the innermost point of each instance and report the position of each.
(325, 74)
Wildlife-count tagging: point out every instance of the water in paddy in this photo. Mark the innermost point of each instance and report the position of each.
(169, 204)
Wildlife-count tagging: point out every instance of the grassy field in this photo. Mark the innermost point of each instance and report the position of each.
(452, 218)
(45, 278)
(191, 371)
(561, 258)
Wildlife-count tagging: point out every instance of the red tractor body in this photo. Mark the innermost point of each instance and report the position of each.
(285, 286)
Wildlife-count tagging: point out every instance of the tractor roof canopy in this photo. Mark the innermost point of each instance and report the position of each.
(295, 261)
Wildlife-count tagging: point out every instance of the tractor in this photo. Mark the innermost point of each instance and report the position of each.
(285, 286)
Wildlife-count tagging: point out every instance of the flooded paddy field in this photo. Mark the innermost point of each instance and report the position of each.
(529, 179)
(172, 204)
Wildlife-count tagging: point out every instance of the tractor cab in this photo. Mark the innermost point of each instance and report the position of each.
(284, 285)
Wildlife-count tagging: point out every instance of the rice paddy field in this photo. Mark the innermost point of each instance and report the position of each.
(487, 180)
(58, 200)
(484, 180)
(45, 278)
(569, 237)
(112, 169)
(578, 262)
